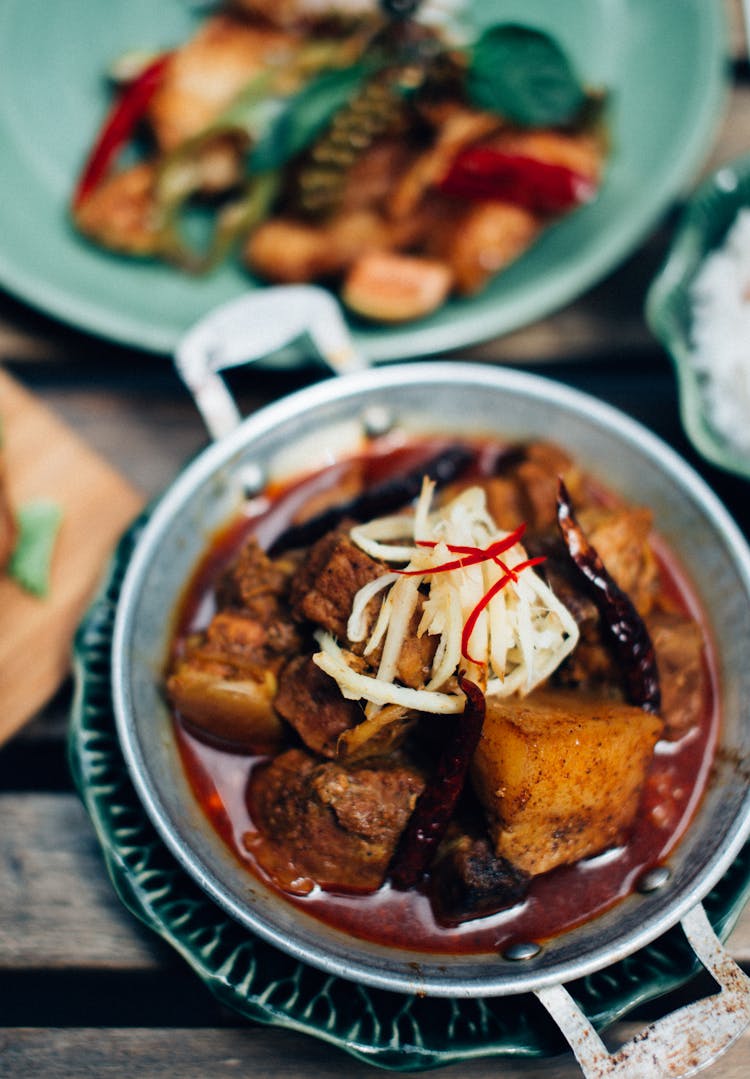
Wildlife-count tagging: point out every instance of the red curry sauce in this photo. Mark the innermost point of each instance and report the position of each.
(556, 901)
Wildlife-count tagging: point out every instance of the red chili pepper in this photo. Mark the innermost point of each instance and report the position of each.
(474, 554)
(621, 622)
(500, 583)
(482, 172)
(435, 805)
(119, 125)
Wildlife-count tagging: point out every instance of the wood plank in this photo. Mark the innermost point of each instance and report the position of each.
(257, 1051)
(45, 459)
(59, 910)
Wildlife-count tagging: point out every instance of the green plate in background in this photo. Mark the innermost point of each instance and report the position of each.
(392, 1030)
(705, 223)
(662, 61)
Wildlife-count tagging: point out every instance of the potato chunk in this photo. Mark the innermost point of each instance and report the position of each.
(560, 776)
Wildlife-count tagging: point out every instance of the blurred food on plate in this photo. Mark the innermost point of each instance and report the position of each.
(345, 145)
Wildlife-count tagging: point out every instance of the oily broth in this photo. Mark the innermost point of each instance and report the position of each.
(556, 901)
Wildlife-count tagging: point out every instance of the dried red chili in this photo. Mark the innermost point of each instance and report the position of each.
(127, 112)
(381, 498)
(435, 805)
(624, 626)
(481, 172)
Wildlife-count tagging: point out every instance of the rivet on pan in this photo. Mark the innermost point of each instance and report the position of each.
(377, 420)
(654, 879)
(522, 950)
(253, 480)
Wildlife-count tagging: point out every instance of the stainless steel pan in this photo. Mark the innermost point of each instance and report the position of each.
(320, 422)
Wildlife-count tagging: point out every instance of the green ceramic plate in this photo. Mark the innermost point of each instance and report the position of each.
(664, 63)
(704, 224)
(400, 1032)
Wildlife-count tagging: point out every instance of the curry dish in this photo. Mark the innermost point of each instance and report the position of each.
(345, 146)
(445, 696)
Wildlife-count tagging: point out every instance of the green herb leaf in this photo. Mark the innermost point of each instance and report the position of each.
(524, 75)
(38, 524)
(304, 116)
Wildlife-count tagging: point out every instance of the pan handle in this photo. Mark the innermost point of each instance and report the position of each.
(251, 328)
(680, 1044)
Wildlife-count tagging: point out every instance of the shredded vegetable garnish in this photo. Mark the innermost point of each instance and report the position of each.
(463, 581)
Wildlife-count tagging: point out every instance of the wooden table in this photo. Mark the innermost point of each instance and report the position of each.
(84, 989)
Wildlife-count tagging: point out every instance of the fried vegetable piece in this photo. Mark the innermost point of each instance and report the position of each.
(391, 287)
(560, 775)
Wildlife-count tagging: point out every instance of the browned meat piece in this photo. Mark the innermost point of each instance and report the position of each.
(456, 127)
(679, 655)
(334, 572)
(560, 775)
(8, 527)
(621, 538)
(120, 212)
(537, 478)
(504, 502)
(209, 71)
(225, 684)
(468, 880)
(392, 287)
(226, 704)
(255, 582)
(335, 826)
(312, 703)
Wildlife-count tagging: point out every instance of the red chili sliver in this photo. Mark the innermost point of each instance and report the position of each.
(119, 125)
(500, 583)
(474, 555)
(482, 172)
(437, 802)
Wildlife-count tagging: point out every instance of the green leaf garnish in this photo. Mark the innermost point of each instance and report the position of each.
(524, 75)
(38, 525)
(303, 116)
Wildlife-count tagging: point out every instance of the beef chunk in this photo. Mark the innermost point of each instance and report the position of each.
(679, 655)
(468, 880)
(255, 582)
(324, 823)
(335, 570)
(312, 703)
